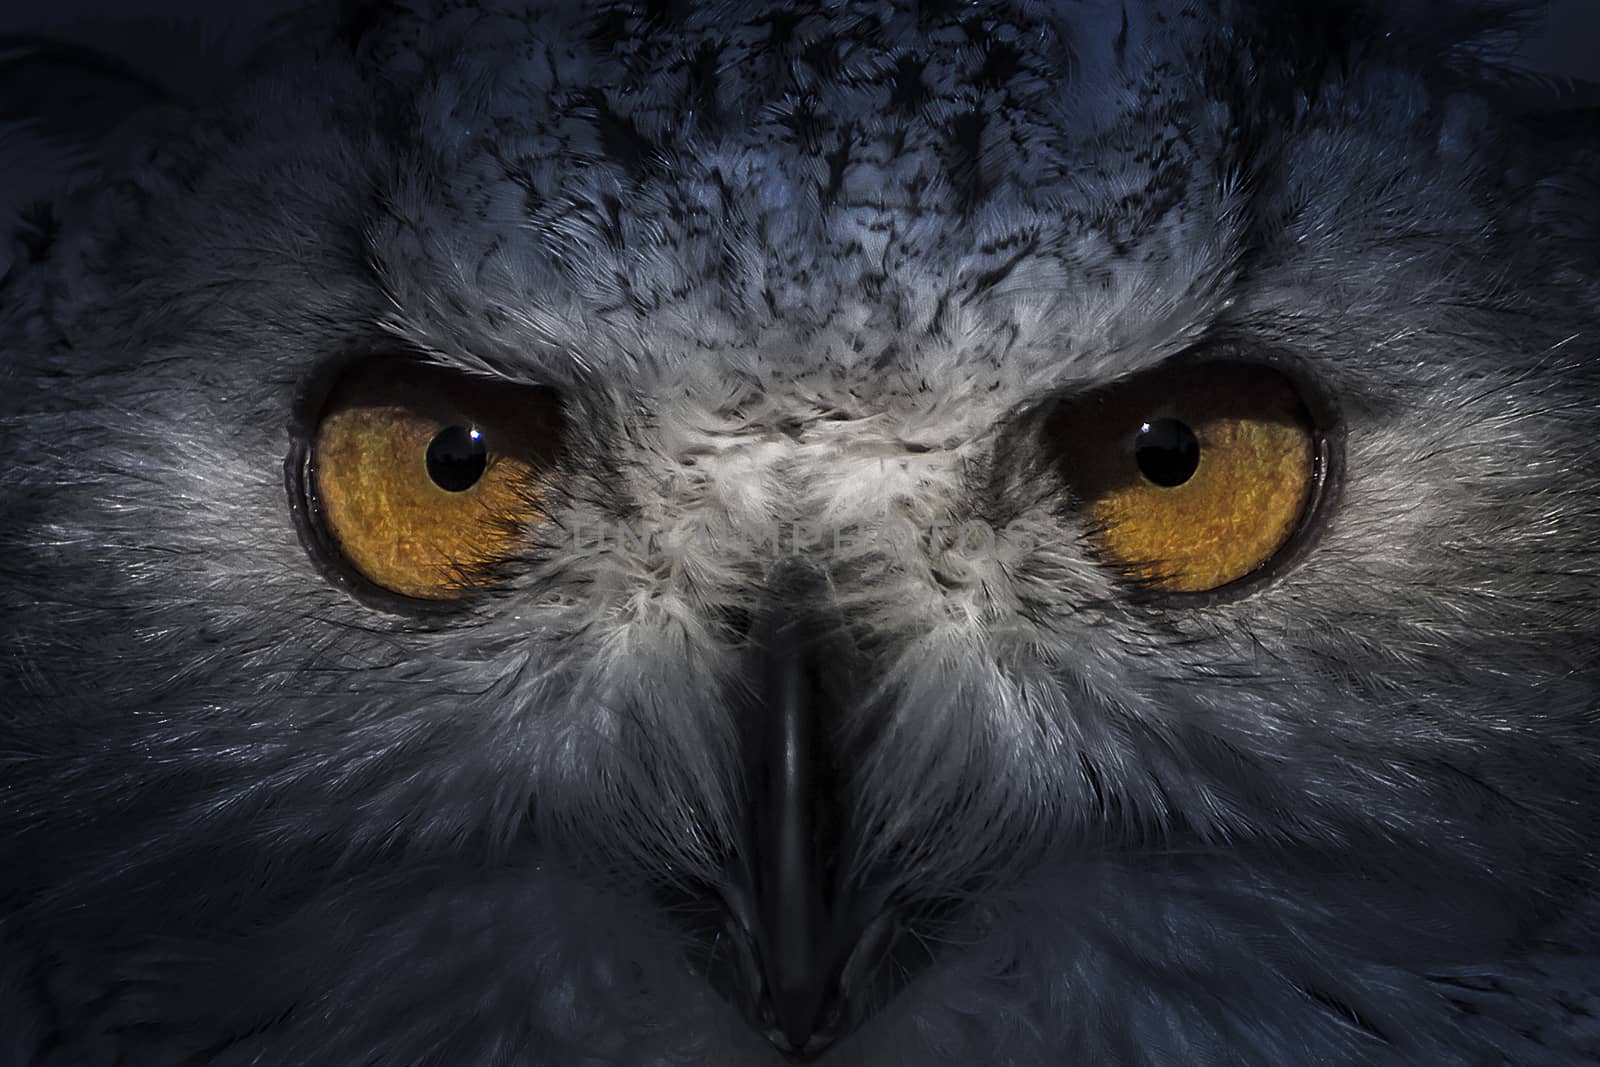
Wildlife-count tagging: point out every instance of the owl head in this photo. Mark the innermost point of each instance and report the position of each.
(1002, 532)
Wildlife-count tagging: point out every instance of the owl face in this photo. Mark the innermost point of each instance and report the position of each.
(708, 533)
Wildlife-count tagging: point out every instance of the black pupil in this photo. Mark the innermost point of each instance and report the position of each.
(1167, 452)
(456, 458)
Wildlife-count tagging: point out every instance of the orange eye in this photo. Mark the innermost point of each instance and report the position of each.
(426, 480)
(1192, 477)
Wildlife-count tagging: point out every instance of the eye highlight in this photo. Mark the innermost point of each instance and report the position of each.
(423, 481)
(1193, 477)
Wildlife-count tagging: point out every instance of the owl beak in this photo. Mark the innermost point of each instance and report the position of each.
(807, 944)
(790, 841)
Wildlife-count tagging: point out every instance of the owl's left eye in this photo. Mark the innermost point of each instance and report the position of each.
(424, 482)
(1192, 477)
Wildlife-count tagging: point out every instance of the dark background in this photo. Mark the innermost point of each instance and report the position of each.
(1569, 43)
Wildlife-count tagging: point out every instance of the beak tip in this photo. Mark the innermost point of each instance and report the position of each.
(798, 1024)
(799, 1047)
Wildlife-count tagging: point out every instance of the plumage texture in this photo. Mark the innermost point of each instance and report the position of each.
(793, 263)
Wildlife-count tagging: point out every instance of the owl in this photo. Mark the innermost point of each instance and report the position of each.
(883, 533)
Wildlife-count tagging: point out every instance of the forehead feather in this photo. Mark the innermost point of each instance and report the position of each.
(869, 191)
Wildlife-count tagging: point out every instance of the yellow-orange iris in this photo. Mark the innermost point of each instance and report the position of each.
(1251, 480)
(403, 515)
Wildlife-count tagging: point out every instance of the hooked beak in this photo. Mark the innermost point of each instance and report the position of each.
(808, 942)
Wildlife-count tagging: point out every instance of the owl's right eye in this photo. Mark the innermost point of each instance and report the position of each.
(425, 482)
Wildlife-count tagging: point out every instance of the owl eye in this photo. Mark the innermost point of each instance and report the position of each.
(423, 481)
(1192, 477)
